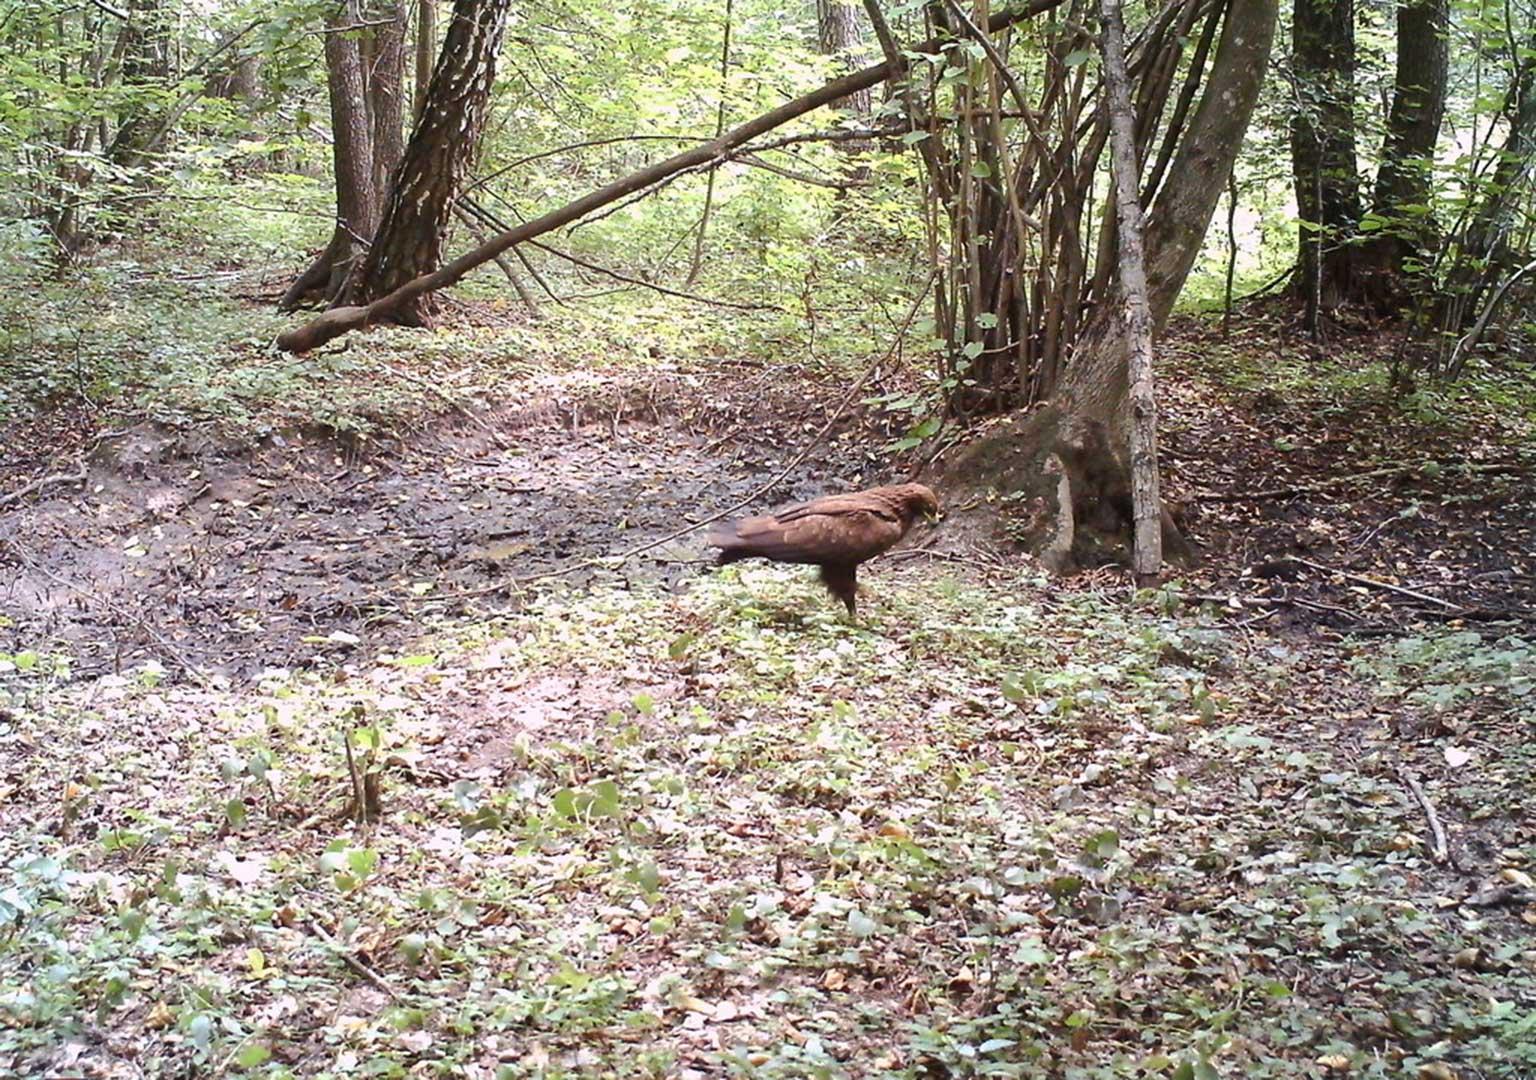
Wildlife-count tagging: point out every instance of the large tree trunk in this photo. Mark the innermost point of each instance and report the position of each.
(1323, 152)
(410, 240)
(1488, 237)
(1146, 503)
(357, 200)
(146, 62)
(1065, 467)
(837, 33)
(426, 49)
(386, 93)
(1405, 179)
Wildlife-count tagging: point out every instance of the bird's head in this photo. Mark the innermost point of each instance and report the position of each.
(920, 501)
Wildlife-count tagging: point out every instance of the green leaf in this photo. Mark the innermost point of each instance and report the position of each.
(252, 1055)
(1013, 689)
(973, 349)
(912, 138)
(647, 875)
(981, 170)
(681, 644)
(1103, 844)
(413, 947)
(605, 798)
(564, 803)
(1077, 57)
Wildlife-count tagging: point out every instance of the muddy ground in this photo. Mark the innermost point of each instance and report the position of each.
(208, 555)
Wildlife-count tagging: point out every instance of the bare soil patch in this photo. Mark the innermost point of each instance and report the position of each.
(201, 553)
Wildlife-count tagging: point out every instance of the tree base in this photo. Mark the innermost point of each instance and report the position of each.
(1060, 491)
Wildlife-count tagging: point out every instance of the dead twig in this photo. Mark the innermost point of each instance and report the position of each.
(43, 482)
(1439, 850)
(1460, 609)
(373, 977)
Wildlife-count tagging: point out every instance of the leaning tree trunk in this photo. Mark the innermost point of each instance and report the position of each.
(343, 320)
(1066, 466)
(146, 62)
(1488, 239)
(410, 240)
(357, 200)
(1323, 153)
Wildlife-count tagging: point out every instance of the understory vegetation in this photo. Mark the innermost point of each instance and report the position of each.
(631, 833)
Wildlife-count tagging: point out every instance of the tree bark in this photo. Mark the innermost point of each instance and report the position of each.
(1146, 504)
(1418, 105)
(357, 201)
(1323, 161)
(1403, 183)
(1495, 215)
(342, 320)
(145, 63)
(409, 242)
(837, 26)
(386, 93)
(426, 49)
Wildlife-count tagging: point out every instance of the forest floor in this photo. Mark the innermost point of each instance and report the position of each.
(642, 818)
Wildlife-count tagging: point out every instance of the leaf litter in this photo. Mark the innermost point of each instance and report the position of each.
(631, 828)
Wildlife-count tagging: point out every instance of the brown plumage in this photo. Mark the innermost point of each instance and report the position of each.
(836, 533)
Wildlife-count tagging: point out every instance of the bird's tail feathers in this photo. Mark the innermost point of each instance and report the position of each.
(723, 536)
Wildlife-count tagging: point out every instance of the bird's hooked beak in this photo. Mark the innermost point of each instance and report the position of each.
(932, 517)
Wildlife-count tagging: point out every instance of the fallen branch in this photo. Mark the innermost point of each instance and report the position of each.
(46, 481)
(351, 961)
(341, 320)
(1460, 609)
(516, 282)
(1438, 850)
(642, 283)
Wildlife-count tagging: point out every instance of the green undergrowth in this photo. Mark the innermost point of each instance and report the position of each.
(175, 320)
(994, 831)
(1353, 377)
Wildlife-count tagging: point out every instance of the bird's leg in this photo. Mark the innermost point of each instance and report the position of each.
(840, 580)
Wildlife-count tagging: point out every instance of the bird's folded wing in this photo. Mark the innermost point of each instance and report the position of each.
(849, 536)
(855, 504)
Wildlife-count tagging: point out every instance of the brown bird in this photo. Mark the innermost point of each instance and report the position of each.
(836, 533)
